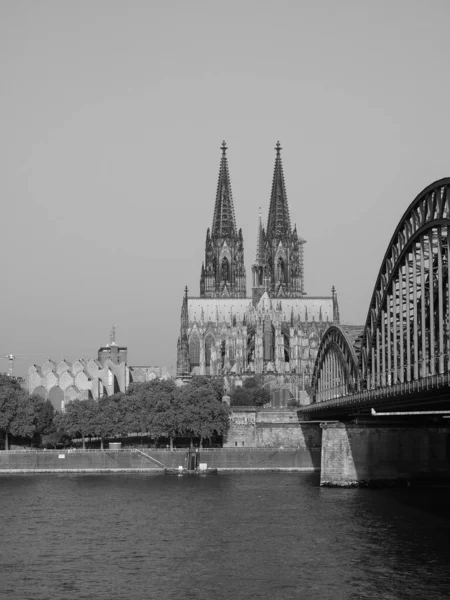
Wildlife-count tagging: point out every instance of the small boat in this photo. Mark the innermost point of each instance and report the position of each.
(182, 472)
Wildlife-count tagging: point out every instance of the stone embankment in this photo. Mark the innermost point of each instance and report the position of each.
(156, 461)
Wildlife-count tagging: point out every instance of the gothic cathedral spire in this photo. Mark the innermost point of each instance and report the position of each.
(223, 272)
(279, 268)
(224, 221)
(278, 221)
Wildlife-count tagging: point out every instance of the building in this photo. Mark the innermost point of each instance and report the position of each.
(63, 381)
(275, 331)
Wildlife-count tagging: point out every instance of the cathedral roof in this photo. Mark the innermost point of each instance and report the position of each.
(224, 222)
(278, 221)
(304, 309)
(217, 309)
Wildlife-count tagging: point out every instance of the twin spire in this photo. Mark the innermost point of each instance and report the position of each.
(224, 221)
(279, 258)
(278, 221)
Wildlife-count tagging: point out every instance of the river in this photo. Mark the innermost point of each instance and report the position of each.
(276, 536)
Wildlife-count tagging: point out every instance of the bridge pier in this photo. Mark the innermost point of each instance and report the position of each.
(359, 455)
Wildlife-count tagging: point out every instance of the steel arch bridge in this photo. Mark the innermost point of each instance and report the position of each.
(404, 347)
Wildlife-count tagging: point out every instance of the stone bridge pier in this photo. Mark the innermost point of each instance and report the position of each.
(368, 454)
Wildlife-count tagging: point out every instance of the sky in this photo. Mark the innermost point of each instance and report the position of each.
(112, 114)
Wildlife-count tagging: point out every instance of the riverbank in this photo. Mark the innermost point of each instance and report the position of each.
(157, 461)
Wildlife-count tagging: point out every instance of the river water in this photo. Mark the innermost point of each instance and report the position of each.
(274, 536)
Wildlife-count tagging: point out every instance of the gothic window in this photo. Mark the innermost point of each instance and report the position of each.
(209, 343)
(268, 341)
(280, 270)
(223, 352)
(194, 351)
(225, 269)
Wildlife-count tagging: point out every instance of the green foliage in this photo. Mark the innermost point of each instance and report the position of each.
(242, 397)
(17, 410)
(215, 383)
(55, 439)
(162, 409)
(203, 414)
(158, 408)
(251, 393)
(108, 416)
(44, 415)
(79, 418)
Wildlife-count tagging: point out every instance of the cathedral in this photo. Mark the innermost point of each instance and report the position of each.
(275, 331)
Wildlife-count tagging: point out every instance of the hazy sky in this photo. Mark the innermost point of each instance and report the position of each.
(112, 114)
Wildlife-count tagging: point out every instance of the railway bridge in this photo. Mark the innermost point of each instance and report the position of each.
(386, 384)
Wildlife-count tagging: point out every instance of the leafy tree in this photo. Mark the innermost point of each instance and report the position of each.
(44, 417)
(13, 410)
(152, 407)
(165, 414)
(201, 412)
(109, 418)
(252, 393)
(55, 438)
(216, 383)
(242, 397)
(24, 421)
(79, 418)
(261, 396)
(138, 401)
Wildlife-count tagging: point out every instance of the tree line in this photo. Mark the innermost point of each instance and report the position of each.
(158, 409)
(21, 414)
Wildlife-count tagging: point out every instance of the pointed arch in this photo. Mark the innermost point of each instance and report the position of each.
(194, 349)
(210, 343)
(280, 274)
(336, 366)
(225, 269)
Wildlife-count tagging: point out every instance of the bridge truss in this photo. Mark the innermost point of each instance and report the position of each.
(406, 337)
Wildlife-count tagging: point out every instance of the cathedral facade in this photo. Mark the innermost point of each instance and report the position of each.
(278, 329)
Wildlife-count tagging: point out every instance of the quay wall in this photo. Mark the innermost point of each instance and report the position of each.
(357, 456)
(79, 460)
(271, 428)
(155, 460)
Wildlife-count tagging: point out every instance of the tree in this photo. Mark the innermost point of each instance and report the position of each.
(138, 401)
(44, 417)
(261, 396)
(109, 417)
(242, 397)
(201, 412)
(252, 393)
(165, 415)
(152, 407)
(23, 424)
(79, 418)
(216, 383)
(12, 408)
(55, 438)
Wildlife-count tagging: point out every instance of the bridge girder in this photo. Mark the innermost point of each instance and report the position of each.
(406, 337)
(336, 367)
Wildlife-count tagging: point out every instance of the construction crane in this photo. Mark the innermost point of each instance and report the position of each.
(11, 359)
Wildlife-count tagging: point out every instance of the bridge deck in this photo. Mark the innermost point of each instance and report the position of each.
(426, 392)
